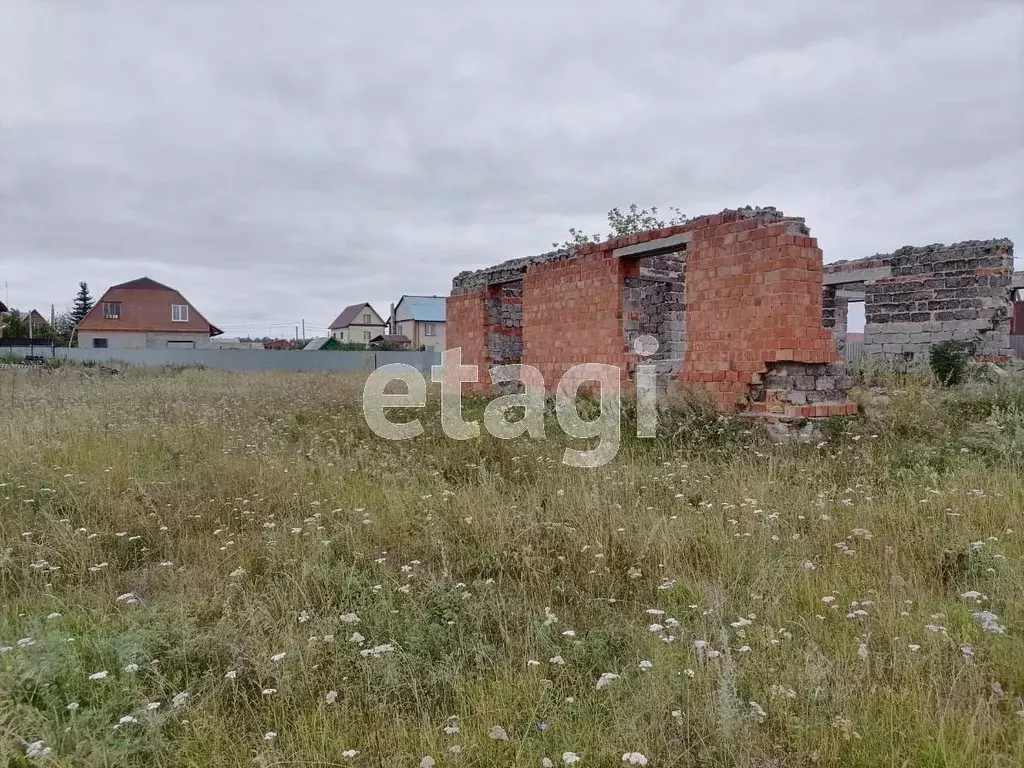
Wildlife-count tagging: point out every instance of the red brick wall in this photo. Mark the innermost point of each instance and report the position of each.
(572, 314)
(753, 295)
(466, 327)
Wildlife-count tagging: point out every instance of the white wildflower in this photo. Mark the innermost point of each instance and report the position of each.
(498, 734)
(634, 758)
(99, 675)
(606, 679)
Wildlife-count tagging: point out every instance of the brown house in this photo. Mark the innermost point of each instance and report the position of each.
(144, 314)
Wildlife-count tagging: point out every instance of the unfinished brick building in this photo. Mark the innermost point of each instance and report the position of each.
(916, 297)
(734, 300)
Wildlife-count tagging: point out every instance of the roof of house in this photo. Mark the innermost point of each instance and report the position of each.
(349, 314)
(391, 338)
(145, 308)
(429, 309)
(317, 343)
(3, 307)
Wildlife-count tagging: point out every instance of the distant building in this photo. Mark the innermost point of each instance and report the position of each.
(421, 319)
(145, 314)
(279, 344)
(322, 343)
(390, 341)
(358, 323)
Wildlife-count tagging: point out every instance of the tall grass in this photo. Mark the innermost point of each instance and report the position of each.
(801, 605)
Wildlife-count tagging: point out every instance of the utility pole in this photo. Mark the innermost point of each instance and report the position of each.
(303, 329)
(53, 317)
(296, 335)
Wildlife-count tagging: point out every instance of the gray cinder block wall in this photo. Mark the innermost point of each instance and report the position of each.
(917, 297)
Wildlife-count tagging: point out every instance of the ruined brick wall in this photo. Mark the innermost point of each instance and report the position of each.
(466, 327)
(917, 297)
(729, 297)
(753, 287)
(572, 314)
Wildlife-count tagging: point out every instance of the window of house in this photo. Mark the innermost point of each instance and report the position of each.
(367, 319)
(366, 335)
(179, 313)
(428, 329)
(99, 343)
(111, 310)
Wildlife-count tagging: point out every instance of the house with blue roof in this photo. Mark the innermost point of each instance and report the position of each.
(421, 319)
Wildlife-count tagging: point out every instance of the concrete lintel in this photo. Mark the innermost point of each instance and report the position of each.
(1017, 280)
(850, 295)
(653, 247)
(857, 276)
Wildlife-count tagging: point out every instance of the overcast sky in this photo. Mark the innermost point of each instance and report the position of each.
(279, 160)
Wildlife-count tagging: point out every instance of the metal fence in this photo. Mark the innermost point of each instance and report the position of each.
(238, 359)
(1017, 342)
(853, 350)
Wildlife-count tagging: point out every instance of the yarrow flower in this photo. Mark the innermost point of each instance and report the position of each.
(634, 758)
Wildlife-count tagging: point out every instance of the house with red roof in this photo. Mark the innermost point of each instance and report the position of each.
(144, 314)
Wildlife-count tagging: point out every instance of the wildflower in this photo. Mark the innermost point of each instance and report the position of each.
(269, 691)
(556, 660)
(455, 749)
(128, 598)
(230, 674)
(349, 754)
(451, 729)
(634, 758)
(153, 706)
(971, 595)
(99, 675)
(26, 642)
(758, 712)
(549, 618)
(427, 762)
(38, 749)
(809, 566)
(570, 758)
(73, 706)
(828, 600)
(689, 673)
(270, 735)
(179, 699)
(349, 618)
(53, 616)
(331, 697)
(606, 679)
(237, 572)
(278, 656)
(634, 573)
(127, 719)
(914, 647)
(569, 633)
(533, 663)
(546, 763)
(646, 665)
(498, 734)
(989, 622)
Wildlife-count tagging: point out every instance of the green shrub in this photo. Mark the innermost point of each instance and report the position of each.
(948, 362)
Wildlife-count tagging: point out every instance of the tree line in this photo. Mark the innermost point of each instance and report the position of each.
(60, 331)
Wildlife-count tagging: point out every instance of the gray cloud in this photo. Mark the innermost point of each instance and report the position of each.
(278, 161)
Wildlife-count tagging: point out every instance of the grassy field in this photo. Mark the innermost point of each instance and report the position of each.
(209, 569)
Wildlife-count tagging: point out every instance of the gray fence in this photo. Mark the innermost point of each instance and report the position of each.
(853, 350)
(240, 359)
(1017, 342)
